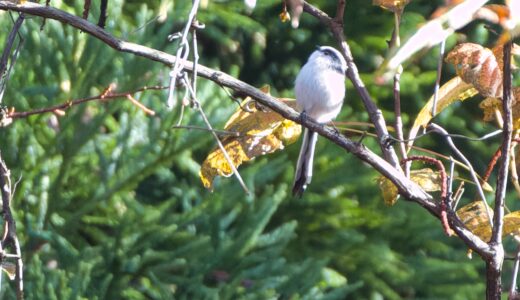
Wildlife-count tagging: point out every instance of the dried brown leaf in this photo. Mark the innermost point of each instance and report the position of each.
(479, 66)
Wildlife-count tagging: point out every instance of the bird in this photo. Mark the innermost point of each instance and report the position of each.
(320, 91)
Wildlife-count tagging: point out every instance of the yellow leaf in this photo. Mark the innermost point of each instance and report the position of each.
(427, 179)
(475, 218)
(261, 131)
(448, 93)
(512, 223)
(395, 6)
(284, 16)
(389, 190)
(492, 106)
(9, 269)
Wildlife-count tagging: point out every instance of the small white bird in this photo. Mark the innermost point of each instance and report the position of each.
(319, 89)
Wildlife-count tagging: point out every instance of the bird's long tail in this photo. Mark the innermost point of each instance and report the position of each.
(303, 174)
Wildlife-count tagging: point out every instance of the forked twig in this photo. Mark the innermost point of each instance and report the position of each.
(438, 129)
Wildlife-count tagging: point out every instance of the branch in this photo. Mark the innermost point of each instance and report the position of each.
(507, 130)
(107, 95)
(376, 116)
(494, 265)
(438, 129)
(406, 187)
(10, 237)
(4, 73)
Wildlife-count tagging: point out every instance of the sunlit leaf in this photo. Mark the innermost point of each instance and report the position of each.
(427, 179)
(284, 16)
(433, 32)
(261, 131)
(475, 217)
(395, 6)
(493, 106)
(512, 223)
(454, 90)
(9, 269)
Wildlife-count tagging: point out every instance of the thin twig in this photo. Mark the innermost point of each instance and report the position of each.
(458, 195)
(444, 189)
(220, 145)
(397, 96)
(10, 237)
(513, 295)
(500, 194)
(221, 132)
(5, 54)
(438, 79)
(436, 128)
(450, 178)
(104, 96)
(182, 53)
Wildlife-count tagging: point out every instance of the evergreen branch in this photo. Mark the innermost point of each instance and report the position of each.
(405, 186)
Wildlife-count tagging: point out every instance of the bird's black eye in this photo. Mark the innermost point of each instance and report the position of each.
(327, 52)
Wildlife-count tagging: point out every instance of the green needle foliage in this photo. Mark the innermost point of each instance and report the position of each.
(109, 204)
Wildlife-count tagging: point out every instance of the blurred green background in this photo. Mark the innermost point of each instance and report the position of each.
(109, 204)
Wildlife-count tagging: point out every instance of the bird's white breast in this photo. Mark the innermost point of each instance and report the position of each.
(319, 92)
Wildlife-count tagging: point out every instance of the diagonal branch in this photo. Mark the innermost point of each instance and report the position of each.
(4, 72)
(376, 116)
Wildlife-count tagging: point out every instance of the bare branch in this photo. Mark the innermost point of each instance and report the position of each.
(507, 136)
(104, 96)
(494, 265)
(10, 237)
(436, 128)
(438, 79)
(376, 116)
(5, 54)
